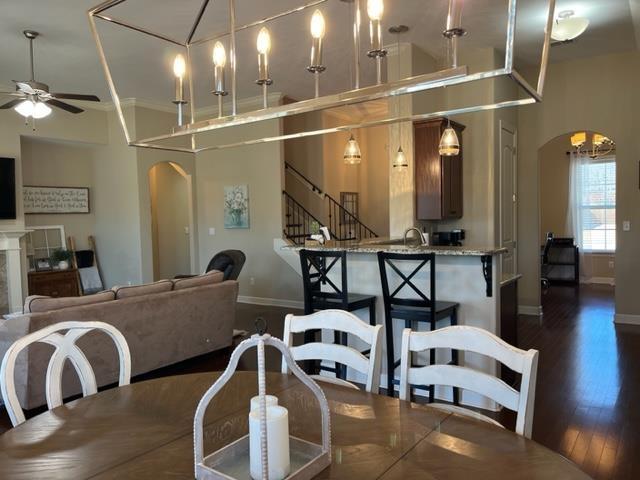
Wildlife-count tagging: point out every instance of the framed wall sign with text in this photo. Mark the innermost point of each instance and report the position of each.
(55, 199)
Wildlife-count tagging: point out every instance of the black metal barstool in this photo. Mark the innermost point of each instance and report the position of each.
(418, 309)
(316, 266)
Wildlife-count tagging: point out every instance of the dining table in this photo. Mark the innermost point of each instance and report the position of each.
(145, 431)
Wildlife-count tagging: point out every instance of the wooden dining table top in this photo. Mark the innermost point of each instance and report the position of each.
(145, 431)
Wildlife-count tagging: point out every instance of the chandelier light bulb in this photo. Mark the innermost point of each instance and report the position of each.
(568, 26)
(219, 55)
(25, 108)
(40, 110)
(264, 41)
(578, 139)
(375, 9)
(179, 66)
(449, 143)
(352, 154)
(317, 25)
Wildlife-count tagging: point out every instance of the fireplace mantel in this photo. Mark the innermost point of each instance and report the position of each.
(10, 245)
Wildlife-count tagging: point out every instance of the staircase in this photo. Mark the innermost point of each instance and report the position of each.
(342, 224)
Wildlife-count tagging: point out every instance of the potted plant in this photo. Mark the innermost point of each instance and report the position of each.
(61, 257)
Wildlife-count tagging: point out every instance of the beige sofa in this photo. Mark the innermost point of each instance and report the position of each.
(163, 323)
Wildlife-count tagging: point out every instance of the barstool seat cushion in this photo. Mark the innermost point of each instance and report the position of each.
(355, 302)
(423, 313)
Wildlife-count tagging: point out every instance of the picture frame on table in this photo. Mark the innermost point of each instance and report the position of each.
(43, 265)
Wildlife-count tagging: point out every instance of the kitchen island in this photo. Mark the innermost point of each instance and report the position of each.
(468, 275)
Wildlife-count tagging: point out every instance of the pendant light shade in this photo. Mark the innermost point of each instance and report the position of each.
(449, 143)
(352, 154)
(568, 26)
(400, 161)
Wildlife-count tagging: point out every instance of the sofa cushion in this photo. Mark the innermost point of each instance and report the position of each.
(37, 303)
(146, 289)
(214, 276)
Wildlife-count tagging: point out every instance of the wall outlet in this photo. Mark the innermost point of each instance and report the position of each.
(612, 265)
(212, 231)
(186, 230)
(252, 281)
(626, 226)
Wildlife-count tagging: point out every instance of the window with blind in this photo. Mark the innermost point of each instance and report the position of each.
(598, 205)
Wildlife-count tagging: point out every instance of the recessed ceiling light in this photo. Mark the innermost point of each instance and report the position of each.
(568, 26)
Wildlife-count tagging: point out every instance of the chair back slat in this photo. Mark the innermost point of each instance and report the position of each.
(332, 353)
(466, 378)
(477, 340)
(333, 320)
(65, 349)
(338, 321)
(472, 339)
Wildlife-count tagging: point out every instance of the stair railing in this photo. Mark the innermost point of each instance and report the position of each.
(342, 224)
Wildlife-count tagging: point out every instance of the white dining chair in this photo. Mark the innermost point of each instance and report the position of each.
(65, 348)
(477, 340)
(338, 321)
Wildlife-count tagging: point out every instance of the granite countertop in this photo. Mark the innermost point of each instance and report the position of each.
(385, 246)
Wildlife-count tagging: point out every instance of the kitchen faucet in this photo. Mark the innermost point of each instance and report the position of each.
(424, 240)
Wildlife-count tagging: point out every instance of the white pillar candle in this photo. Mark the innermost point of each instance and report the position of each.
(277, 443)
(272, 401)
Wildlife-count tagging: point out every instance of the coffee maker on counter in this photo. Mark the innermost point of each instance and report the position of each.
(453, 238)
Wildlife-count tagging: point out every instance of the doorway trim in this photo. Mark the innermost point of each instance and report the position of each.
(506, 126)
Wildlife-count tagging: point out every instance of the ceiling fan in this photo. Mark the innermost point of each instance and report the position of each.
(34, 98)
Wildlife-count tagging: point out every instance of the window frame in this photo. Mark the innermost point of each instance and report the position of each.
(608, 159)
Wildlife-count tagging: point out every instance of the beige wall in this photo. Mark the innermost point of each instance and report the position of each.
(370, 179)
(580, 97)
(554, 202)
(261, 168)
(146, 122)
(61, 164)
(320, 159)
(169, 217)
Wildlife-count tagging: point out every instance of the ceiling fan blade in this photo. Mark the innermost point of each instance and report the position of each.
(75, 96)
(64, 106)
(25, 87)
(11, 103)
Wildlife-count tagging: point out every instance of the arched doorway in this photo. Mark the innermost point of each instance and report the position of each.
(171, 220)
(578, 206)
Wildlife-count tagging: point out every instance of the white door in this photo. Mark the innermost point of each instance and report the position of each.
(508, 198)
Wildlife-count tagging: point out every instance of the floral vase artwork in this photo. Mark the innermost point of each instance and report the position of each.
(236, 206)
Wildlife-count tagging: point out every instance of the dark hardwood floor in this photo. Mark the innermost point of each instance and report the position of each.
(588, 393)
(588, 389)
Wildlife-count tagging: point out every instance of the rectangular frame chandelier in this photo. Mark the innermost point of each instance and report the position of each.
(187, 137)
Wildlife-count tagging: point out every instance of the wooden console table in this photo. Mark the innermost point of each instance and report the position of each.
(54, 283)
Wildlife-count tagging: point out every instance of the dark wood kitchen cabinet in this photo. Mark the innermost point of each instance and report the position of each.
(438, 179)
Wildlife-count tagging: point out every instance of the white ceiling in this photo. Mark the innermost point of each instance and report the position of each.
(66, 55)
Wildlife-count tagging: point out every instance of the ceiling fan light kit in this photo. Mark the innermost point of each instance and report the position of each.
(34, 99)
(192, 135)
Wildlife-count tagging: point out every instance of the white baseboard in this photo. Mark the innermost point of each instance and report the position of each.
(271, 302)
(626, 319)
(535, 310)
(599, 280)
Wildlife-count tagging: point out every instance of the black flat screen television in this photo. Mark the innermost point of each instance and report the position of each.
(7, 189)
